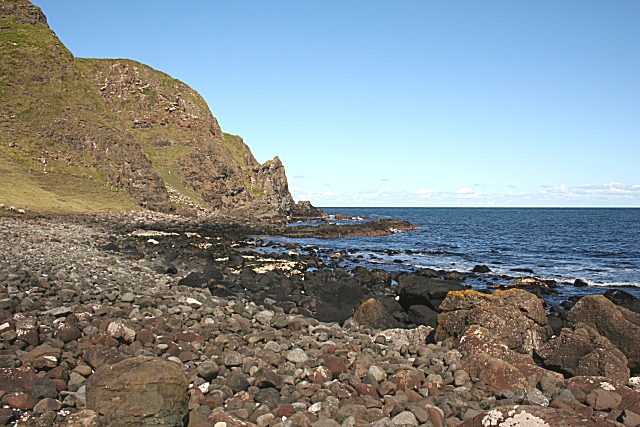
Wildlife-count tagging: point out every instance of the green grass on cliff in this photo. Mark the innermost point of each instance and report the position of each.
(57, 194)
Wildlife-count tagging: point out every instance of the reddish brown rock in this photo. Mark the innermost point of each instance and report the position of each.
(145, 336)
(373, 314)
(335, 364)
(496, 373)
(141, 386)
(582, 351)
(406, 380)
(285, 410)
(20, 379)
(367, 390)
(42, 357)
(21, 401)
(617, 324)
(99, 355)
(477, 339)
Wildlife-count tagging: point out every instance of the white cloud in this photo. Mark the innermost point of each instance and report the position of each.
(612, 194)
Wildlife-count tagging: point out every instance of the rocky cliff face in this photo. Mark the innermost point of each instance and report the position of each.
(123, 124)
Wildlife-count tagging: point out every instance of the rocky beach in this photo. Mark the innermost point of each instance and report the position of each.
(150, 319)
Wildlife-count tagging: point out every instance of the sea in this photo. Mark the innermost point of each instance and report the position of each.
(598, 245)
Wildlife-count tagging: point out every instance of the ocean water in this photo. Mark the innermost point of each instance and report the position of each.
(598, 245)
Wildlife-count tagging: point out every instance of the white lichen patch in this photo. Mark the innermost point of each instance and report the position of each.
(202, 245)
(606, 386)
(634, 383)
(492, 418)
(524, 419)
(152, 233)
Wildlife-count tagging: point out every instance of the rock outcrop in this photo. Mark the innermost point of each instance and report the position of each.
(582, 351)
(617, 324)
(514, 317)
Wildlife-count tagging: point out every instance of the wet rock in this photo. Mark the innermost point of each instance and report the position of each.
(139, 387)
(481, 269)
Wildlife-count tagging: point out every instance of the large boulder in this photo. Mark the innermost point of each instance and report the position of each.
(617, 324)
(533, 416)
(420, 290)
(137, 389)
(333, 301)
(496, 374)
(372, 313)
(477, 339)
(623, 299)
(514, 317)
(581, 350)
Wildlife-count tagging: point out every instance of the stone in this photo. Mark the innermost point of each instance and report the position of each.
(99, 356)
(423, 315)
(208, 370)
(297, 356)
(43, 356)
(140, 386)
(44, 388)
(21, 401)
(529, 416)
(21, 379)
(477, 339)
(222, 419)
(121, 330)
(603, 400)
(335, 364)
(581, 350)
(237, 382)
(405, 418)
(514, 317)
(427, 291)
(617, 324)
(46, 405)
(406, 380)
(373, 313)
(66, 332)
(496, 373)
(416, 336)
(267, 378)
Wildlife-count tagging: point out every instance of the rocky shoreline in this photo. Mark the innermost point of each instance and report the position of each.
(148, 319)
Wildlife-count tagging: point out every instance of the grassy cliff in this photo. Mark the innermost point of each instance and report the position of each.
(122, 126)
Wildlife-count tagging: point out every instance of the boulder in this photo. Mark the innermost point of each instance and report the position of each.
(420, 290)
(477, 339)
(617, 324)
(372, 313)
(514, 317)
(496, 374)
(581, 350)
(334, 301)
(138, 388)
(534, 416)
(623, 299)
(423, 315)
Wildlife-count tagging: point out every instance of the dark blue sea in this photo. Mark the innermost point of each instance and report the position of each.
(598, 245)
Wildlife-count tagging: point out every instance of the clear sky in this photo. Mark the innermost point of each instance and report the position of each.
(402, 103)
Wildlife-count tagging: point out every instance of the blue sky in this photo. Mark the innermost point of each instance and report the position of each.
(403, 103)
